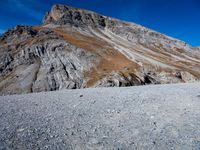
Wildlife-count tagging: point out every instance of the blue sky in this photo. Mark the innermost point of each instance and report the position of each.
(176, 18)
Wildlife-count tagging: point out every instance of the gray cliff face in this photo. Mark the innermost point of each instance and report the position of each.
(44, 65)
(198, 48)
(76, 48)
(62, 15)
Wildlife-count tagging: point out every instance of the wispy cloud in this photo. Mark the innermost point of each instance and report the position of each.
(26, 9)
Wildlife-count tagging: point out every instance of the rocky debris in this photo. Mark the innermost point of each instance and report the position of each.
(178, 75)
(76, 48)
(119, 80)
(145, 117)
(188, 77)
(198, 48)
(149, 80)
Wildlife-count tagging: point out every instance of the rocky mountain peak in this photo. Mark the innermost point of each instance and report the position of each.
(62, 15)
(76, 48)
(15, 34)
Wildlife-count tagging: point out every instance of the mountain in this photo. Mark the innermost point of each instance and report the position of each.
(75, 48)
(198, 47)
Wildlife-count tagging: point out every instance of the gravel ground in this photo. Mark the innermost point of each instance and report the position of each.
(146, 117)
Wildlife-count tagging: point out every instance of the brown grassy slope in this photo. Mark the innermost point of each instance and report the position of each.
(176, 60)
(110, 59)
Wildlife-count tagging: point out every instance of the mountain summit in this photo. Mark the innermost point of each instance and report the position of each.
(62, 15)
(75, 48)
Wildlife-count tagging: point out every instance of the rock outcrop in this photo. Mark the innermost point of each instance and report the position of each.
(75, 48)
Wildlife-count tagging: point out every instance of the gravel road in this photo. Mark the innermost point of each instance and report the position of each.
(145, 117)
